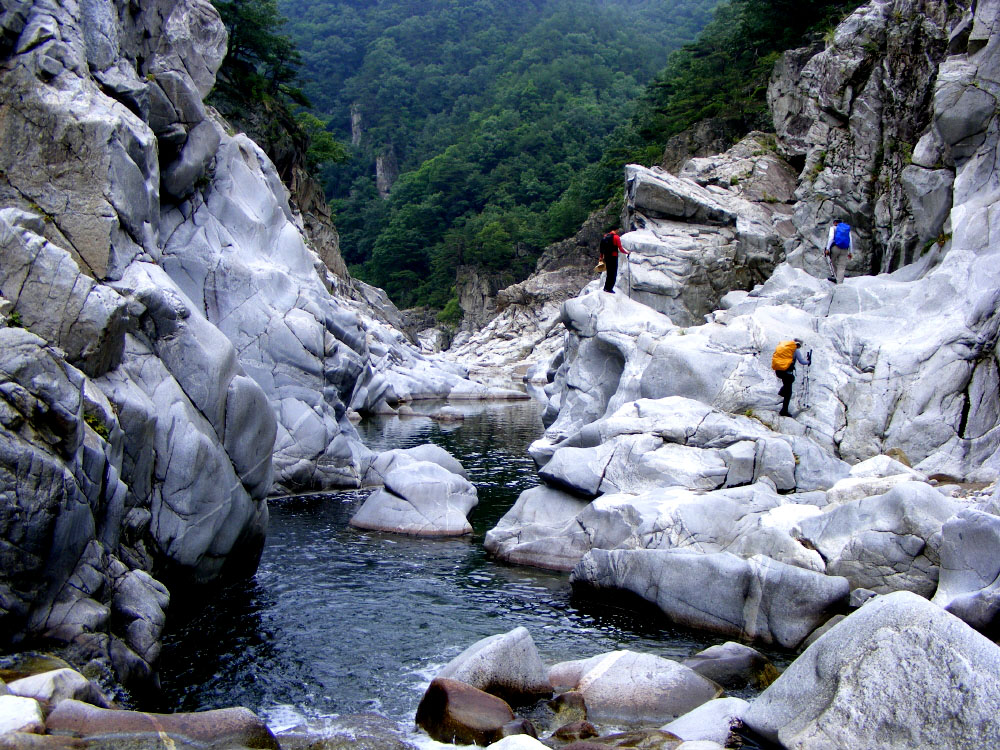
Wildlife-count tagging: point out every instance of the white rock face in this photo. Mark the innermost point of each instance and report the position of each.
(710, 722)
(422, 499)
(507, 665)
(898, 673)
(632, 687)
(551, 529)
(885, 543)
(19, 714)
(969, 582)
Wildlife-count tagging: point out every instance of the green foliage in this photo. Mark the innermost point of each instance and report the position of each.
(96, 424)
(496, 113)
(725, 73)
(451, 314)
(14, 320)
(257, 85)
(323, 147)
(260, 61)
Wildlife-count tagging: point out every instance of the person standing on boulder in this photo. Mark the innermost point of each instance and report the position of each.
(611, 243)
(783, 362)
(838, 249)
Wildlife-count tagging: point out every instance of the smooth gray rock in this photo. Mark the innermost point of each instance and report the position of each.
(552, 529)
(19, 714)
(540, 530)
(422, 499)
(709, 722)
(898, 673)
(507, 665)
(757, 599)
(40, 278)
(969, 583)
(633, 687)
(886, 542)
(733, 665)
(58, 685)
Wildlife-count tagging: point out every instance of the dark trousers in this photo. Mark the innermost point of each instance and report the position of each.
(611, 262)
(787, 377)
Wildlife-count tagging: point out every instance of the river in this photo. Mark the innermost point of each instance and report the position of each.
(341, 621)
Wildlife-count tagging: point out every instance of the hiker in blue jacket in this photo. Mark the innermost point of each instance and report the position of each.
(838, 249)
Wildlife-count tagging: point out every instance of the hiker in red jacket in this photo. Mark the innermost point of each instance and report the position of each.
(611, 243)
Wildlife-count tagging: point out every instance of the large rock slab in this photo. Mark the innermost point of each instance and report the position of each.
(551, 529)
(755, 599)
(227, 726)
(422, 499)
(541, 530)
(507, 665)
(969, 583)
(898, 673)
(634, 688)
(885, 543)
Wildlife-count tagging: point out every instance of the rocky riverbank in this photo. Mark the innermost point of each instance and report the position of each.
(172, 350)
(667, 472)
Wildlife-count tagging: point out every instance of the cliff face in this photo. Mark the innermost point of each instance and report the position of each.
(904, 360)
(173, 348)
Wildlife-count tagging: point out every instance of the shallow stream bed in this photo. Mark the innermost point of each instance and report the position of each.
(339, 621)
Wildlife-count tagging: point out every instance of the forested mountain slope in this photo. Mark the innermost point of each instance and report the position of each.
(486, 109)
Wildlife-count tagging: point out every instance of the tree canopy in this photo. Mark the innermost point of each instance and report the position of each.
(489, 107)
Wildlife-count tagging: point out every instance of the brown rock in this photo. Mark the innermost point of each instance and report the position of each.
(642, 739)
(452, 711)
(518, 726)
(578, 730)
(227, 726)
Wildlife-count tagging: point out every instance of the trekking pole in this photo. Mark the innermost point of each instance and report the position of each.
(804, 394)
(628, 265)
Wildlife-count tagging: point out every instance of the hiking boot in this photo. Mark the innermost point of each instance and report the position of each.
(832, 278)
(784, 413)
(609, 291)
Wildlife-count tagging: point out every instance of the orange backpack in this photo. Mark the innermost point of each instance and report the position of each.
(784, 355)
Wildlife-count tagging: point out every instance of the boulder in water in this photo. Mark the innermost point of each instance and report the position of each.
(507, 665)
(454, 712)
(634, 688)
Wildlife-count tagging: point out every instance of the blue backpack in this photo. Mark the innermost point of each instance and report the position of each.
(842, 235)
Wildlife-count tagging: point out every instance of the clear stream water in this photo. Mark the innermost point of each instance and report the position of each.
(339, 621)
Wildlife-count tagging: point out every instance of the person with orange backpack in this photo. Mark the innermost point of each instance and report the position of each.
(783, 362)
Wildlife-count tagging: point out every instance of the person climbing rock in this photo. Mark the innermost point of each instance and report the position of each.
(838, 250)
(611, 243)
(783, 362)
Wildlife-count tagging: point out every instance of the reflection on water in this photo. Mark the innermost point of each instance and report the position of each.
(341, 621)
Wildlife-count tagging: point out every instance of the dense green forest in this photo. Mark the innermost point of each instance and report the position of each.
(509, 121)
(489, 107)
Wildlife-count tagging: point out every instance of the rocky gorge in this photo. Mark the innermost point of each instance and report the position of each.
(174, 352)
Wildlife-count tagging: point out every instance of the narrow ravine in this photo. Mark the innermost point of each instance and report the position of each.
(338, 621)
